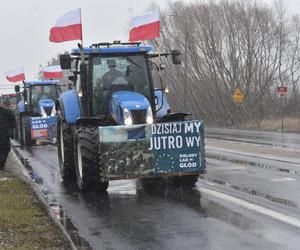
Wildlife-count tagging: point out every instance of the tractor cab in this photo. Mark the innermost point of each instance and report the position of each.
(118, 82)
(36, 113)
(40, 97)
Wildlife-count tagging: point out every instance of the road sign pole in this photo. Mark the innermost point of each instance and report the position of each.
(282, 114)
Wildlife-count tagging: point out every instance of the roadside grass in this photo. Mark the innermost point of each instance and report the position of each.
(289, 124)
(24, 223)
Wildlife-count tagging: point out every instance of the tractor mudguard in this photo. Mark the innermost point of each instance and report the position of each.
(149, 150)
(162, 106)
(70, 106)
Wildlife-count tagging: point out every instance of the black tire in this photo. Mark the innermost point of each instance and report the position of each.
(186, 180)
(19, 134)
(153, 185)
(26, 132)
(87, 160)
(65, 151)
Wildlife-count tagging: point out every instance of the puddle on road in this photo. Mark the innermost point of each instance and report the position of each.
(251, 192)
(55, 208)
(251, 163)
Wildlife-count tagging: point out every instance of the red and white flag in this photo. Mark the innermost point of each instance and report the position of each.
(51, 72)
(67, 27)
(145, 27)
(15, 75)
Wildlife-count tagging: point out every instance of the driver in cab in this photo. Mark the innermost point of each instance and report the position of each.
(111, 75)
(103, 86)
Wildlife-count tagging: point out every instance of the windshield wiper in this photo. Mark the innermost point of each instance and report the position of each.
(130, 60)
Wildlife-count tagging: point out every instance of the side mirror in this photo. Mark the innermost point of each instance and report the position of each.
(17, 88)
(65, 61)
(176, 57)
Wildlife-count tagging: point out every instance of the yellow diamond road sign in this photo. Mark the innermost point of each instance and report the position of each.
(238, 96)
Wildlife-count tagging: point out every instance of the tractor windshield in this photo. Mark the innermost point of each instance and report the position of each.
(117, 73)
(39, 92)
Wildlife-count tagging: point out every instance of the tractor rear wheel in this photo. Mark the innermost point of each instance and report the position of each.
(65, 151)
(87, 160)
(26, 132)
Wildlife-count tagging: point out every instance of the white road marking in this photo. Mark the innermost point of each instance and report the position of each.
(253, 207)
(282, 179)
(294, 161)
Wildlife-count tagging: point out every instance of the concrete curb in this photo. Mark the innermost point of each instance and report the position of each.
(19, 170)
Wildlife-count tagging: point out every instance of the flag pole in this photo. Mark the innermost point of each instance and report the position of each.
(81, 48)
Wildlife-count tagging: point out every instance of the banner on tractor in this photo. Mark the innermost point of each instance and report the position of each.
(152, 150)
(43, 127)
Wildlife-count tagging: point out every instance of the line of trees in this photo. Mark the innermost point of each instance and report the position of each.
(229, 45)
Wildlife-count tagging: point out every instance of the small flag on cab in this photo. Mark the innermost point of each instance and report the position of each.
(52, 72)
(15, 75)
(145, 27)
(67, 27)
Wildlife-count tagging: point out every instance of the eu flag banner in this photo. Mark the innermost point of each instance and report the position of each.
(147, 150)
(43, 127)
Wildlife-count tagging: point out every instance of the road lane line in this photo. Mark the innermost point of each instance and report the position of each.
(253, 207)
(294, 161)
(283, 179)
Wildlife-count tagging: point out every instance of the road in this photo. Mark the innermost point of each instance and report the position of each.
(247, 200)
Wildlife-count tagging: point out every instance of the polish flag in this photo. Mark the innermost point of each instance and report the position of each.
(145, 27)
(15, 75)
(51, 72)
(67, 27)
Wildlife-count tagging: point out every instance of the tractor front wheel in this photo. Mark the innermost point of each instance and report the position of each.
(186, 180)
(26, 132)
(87, 166)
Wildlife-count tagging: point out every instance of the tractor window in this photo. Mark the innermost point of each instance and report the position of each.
(43, 92)
(116, 74)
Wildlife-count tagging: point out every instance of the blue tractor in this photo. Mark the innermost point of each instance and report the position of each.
(36, 113)
(115, 124)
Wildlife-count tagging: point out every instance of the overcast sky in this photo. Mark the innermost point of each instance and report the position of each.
(25, 26)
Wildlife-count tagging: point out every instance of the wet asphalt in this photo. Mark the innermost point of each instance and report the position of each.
(129, 216)
(274, 139)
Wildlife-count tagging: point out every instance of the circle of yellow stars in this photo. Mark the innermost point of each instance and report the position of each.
(165, 157)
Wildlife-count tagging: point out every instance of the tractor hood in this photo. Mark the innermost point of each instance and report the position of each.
(46, 107)
(45, 103)
(130, 100)
(135, 104)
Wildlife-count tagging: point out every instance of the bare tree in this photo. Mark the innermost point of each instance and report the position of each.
(229, 45)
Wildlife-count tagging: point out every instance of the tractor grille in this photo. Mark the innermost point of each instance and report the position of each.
(48, 110)
(139, 116)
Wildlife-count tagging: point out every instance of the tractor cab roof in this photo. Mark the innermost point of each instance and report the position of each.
(41, 82)
(114, 48)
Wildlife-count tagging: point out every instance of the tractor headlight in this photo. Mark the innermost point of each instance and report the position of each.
(53, 111)
(43, 112)
(149, 118)
(127, 117)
